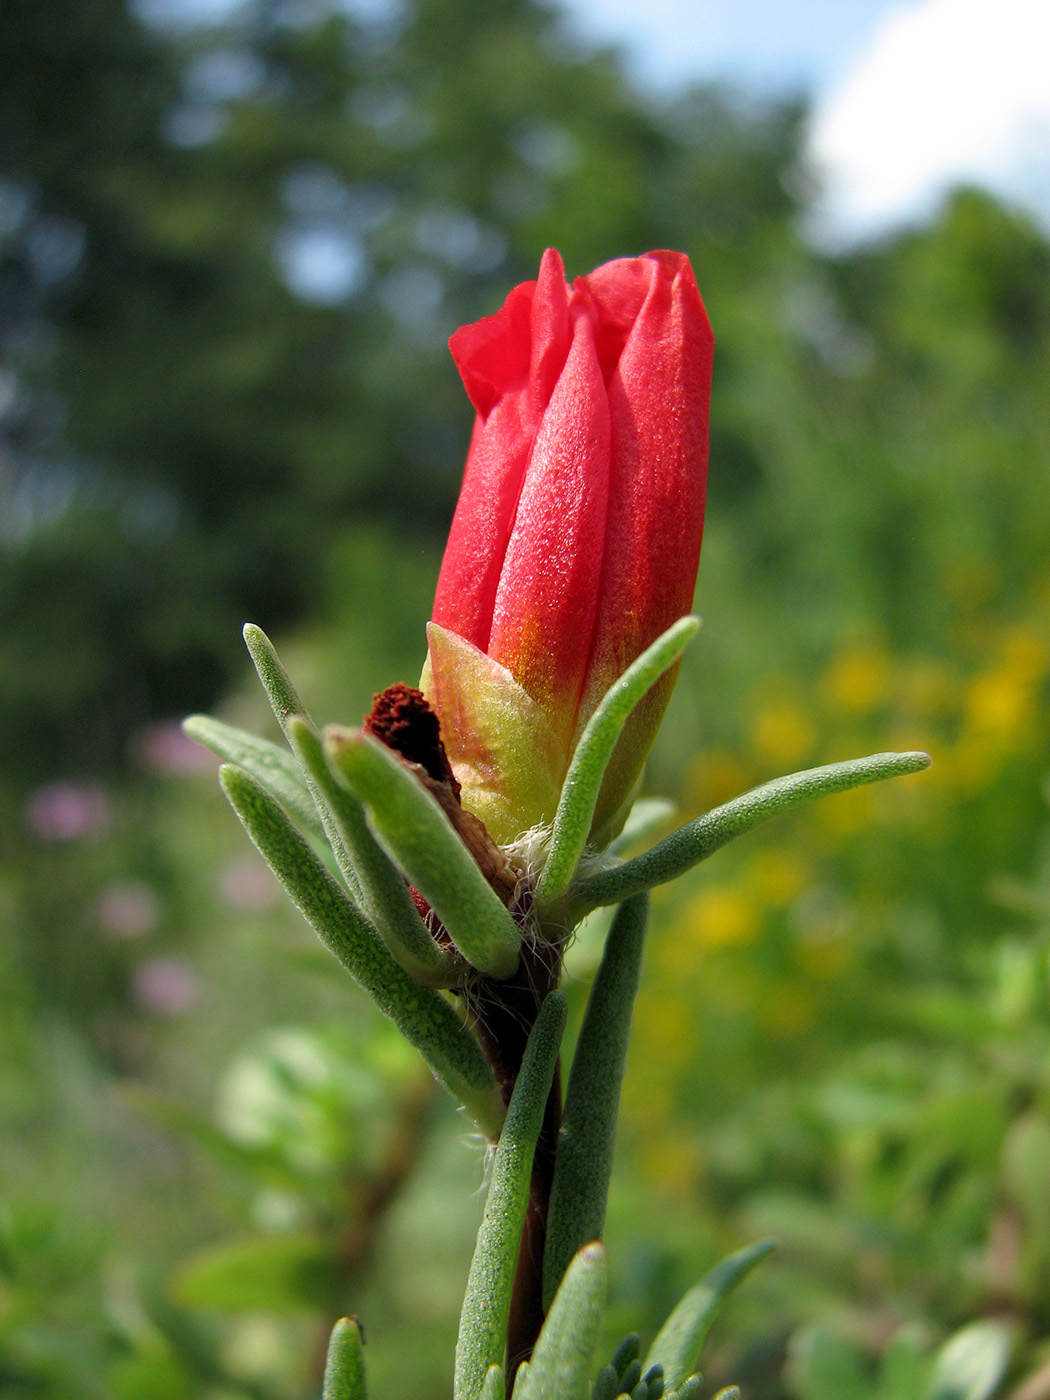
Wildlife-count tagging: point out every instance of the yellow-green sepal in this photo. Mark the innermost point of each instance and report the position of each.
(502, 747)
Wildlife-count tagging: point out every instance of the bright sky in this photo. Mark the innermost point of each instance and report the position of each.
(911, 95)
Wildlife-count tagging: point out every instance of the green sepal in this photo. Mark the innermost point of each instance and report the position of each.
(486, 1306)
(679, 1340)
(383, 893)
(420, 840)
(495, 1387)
(690, 844)
(583, 783)
(285, 702)
(583, 1163)
(420, 1013)
(502, 747)
(344, 1372)
(561, 1362)
(728, 1392)
(275, 768)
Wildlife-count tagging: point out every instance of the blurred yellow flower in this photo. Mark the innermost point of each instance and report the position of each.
(647, 1102)
(673, 1163)
(721, 917)
(847, 812)
(857, 680)
(716, 777)
(783, 734)
(1000, 702)
(970, 765)
(777, 877)
(1025, 654)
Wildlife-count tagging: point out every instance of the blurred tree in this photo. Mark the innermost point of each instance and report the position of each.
(232, 252)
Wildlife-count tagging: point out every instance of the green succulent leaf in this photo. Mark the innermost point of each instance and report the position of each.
(728, 1392)
(561, 1361)
(420, 1013)
(579, 794)
(344, 1372)
(971, 1363)
(583, 1164)
(383, 893)
(420, 840)
(690, 1388)
(494, 1387)
(486, 1307)
(281, 693)
(275, 768)
(285, 703)
(678, 1343)
(690, 844)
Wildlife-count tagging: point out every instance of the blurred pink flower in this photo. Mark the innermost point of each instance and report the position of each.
(127, 909)
(164, 748)
(165, 987)
(67, 811)
(247, 884)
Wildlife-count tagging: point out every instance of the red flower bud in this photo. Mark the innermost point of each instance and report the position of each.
(576, 540)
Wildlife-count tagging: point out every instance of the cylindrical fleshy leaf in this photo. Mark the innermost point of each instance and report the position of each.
(576, 540)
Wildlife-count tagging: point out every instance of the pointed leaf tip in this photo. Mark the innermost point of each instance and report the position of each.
(270, 764)
(678, 1343)
(383, 894)
(344, 1372)
(422, 1015)
(697, 840)
(419, 838)
(561, 1361)
(281, 693)
(494, 1387)
(583, 782)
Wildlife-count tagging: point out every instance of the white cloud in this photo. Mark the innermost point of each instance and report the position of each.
(947, 91)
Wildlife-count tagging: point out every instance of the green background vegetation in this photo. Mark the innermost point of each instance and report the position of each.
(211, 1146)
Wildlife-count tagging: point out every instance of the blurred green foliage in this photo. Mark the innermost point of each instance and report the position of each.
(230, 254)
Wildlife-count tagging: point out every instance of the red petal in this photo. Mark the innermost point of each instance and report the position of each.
(548, 592)
(658, 403)
(505, 361)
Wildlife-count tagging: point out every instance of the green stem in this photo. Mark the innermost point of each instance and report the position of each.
(592, 1100)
